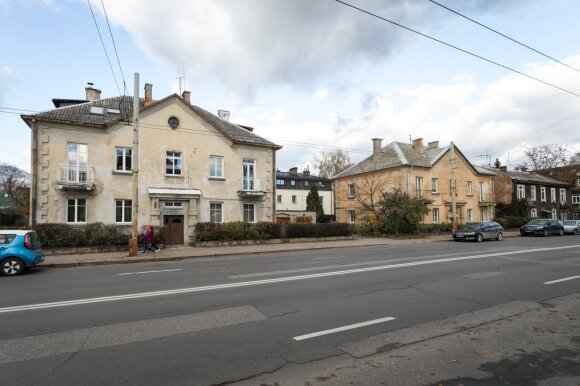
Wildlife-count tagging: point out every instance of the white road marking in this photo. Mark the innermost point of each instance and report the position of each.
(561, 280)
(266, 281)
(328, 258)
(143, 272)
(343, 328)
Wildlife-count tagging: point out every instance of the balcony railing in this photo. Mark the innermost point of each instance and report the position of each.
(75, 177)
(249, 186)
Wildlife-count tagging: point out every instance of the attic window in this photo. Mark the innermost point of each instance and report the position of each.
(97, 110)
(113, 111)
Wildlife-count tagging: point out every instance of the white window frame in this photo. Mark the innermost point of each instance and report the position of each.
(279, 181)
(126, 155)
(279, 199)
(576, 199)
(533, 213)
(173, 204)
(543, 194)
(419, 187)
(521, 191)
(562, 195)
(469, 188)
(216, 209)
(434, 185)
(482, 216)
(351, 190)
(553, 195)
(435, 215)
(292, 182)
(173, 163)
(563, 215)
(77, 161)
(124, 205)
(307, 183)
(249, 173)
(533, 193)
(77, 210)
(352, 216)
(554, 213)
(470, 215)
(216, 166)
(482, 192)
(247, 212)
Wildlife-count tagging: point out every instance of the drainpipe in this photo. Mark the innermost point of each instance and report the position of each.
(32, 220)
(453, 197)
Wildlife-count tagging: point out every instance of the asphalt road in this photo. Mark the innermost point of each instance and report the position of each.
(234, 319)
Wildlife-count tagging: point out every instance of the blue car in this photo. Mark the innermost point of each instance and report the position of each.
(19, 249)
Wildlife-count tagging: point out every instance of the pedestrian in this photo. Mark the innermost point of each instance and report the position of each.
(147, 238)
(153, 245)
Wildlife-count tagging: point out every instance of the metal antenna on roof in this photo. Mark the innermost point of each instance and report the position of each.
(181, 77)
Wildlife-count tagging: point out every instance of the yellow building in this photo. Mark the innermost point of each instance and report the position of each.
(423, 172)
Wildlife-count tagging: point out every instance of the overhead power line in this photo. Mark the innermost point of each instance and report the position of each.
(504, 35)
(104, 48)
(115, 47)
(458, 48)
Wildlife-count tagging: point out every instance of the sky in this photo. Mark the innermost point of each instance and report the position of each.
(309, 75)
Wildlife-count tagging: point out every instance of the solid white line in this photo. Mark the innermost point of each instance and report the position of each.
(561, 280)
(142, 272)
(328, 258)
(344, 328)
(266, 281)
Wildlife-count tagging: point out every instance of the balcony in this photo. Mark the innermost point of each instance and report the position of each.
(75, 177)
(251, 187)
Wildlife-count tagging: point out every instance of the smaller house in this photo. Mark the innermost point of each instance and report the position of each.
(292, 189)
(531, 194)
(571, 175)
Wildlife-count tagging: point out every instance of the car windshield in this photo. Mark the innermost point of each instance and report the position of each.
(570, 223)
(472, 227)
(538, 222)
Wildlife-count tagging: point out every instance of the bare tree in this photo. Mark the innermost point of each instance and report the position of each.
(574, 160)
(331, 163)
(369, 191)
(14, 182)
(544, 157)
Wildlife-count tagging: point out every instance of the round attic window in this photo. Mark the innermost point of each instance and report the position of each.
(173, 122)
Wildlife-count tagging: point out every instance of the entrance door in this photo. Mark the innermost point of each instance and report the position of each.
(173, 230)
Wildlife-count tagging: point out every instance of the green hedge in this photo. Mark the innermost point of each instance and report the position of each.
(93, 234)
(266, 230)
(512, 221)
(317, 230)
(436, 228)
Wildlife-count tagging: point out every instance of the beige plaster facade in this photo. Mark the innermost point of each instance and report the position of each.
(475, 200)
(76, 163)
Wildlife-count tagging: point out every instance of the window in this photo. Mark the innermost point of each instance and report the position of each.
(351, 190)
(352, 215)
(306, 183)
(554, 214)
(578, 182)
(77, 162)
(576, 199)
(552, 195)
(481, 192)
(292, 182)
(419, 187)
(562, 196)
(321, 184)
(469, 188)
(123, 209)
(173, 163)
(543, 194)
(521, 192)
(216, 166)
(279, 199)
(216, 212)
(249, 174)
(533, 193)
(123, 159)
(434, 185)
(563, 216)
(533, 213)
(279, 181)
(435, 215)
(249, 214)
(482, 215)
(76, 210)
(173, 204)
(469, 215)
(294, 199)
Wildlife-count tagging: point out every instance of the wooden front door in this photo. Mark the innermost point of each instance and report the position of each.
(173, 230)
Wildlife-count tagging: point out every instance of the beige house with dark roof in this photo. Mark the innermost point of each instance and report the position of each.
(423, 172)
(193, 165)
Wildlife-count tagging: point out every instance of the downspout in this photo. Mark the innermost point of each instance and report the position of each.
(273, 199)
(32, 220)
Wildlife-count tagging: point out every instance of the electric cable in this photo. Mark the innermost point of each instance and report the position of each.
(115, 47)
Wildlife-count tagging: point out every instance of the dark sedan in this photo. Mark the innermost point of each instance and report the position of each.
(542, 227)
(479, 231)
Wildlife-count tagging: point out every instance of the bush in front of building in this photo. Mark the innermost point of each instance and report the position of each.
(317, 230)
(239, 230)
(512, 221)
(236, 230)
(93, 234)
(436, 228)
(265, 231)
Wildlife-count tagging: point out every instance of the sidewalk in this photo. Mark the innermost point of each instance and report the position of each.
(186, 252)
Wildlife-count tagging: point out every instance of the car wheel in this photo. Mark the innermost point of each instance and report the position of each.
(561, 233)
(499, 236)
(479, 238)
(575, 231)
(546, 233)
(12, 266)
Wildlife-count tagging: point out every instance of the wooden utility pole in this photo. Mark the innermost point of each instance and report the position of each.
(453, 196)
(133, 243)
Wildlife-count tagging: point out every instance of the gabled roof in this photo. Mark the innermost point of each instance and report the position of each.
(119, 109)
(397, 154)
(301, 176)
(529, 177)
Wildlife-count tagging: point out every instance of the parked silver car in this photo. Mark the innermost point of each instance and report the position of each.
(572, 227)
